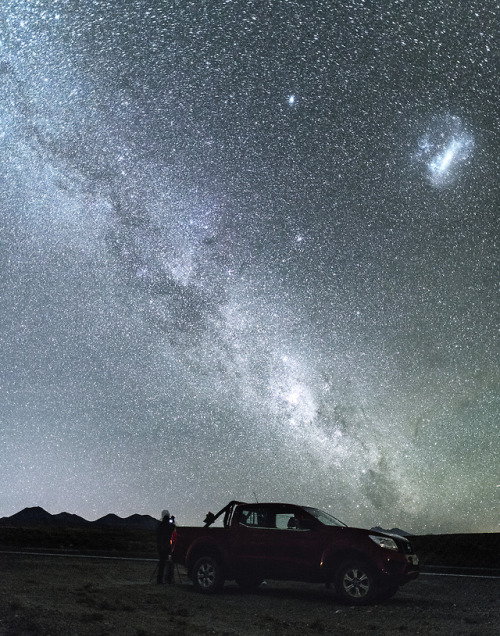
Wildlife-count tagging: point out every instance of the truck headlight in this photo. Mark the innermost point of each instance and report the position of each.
(384, 542)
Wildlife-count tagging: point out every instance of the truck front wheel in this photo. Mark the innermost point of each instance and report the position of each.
(207, 575)
(355, 583)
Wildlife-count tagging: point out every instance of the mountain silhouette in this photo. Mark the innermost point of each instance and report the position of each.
(144, 522)
(36, 516)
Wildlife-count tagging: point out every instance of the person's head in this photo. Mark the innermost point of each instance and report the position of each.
(165, 513)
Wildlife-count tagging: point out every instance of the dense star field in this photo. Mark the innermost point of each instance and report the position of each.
(250, 249)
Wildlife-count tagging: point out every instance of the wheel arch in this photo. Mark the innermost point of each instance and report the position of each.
(333, 559)
(205, 548)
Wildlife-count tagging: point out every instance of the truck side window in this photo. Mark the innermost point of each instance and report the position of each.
(249, 518)
(258, 518)
(287, 521)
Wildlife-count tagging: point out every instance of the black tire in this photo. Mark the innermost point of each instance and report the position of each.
(207, 575)
(355, 583)
(249, 583)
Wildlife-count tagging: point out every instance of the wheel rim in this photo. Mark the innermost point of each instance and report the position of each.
(206, 575)
(356, 583)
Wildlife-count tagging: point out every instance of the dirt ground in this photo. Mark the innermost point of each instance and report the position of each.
(42, 595)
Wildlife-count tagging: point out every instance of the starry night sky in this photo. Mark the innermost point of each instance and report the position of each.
(249, 249)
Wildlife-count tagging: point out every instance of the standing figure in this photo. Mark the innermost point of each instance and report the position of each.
(164, 533)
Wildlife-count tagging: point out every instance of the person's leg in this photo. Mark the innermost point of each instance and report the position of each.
(161, 568)
(170, 571)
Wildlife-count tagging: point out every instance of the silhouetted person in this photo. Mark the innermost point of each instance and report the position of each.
(164, 533)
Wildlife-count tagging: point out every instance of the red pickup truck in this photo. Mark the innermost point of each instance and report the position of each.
(293, 543)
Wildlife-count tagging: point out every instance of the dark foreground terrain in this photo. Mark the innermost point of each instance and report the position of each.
(59, 595)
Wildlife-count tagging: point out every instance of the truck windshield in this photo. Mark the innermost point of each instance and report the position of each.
(324, 517)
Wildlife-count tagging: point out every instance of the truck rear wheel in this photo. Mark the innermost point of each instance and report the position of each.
(207, 575)
(355, 583)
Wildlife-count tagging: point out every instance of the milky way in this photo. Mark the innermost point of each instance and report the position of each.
(251, 250)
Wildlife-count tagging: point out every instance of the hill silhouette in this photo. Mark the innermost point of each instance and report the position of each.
(38, 517)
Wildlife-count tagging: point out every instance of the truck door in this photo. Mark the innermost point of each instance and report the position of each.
(270, 541)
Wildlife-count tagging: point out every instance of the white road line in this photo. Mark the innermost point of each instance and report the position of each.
(466, 576)
(77, 556)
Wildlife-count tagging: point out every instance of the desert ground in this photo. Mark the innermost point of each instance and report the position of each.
(45, 595)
